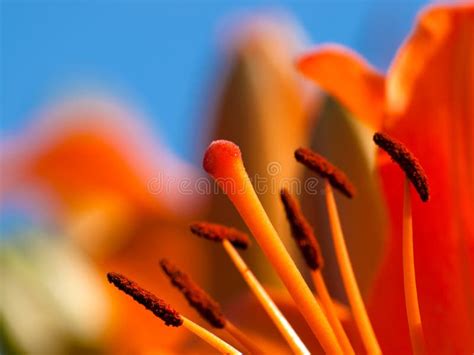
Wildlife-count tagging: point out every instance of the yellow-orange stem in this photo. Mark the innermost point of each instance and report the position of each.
(267, 303)
(210, 338)
(409, 278)
(350, 284)
(243, 339)
(331, 314)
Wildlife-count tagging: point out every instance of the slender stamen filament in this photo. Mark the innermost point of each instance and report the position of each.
(241, 338)
(210, 338)
(328, 306)
(409, 279)
(352, 290)
(415, 174)
(270, 307)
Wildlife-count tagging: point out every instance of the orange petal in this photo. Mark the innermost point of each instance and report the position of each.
(432, 30)
(347, 77)
(436, 84)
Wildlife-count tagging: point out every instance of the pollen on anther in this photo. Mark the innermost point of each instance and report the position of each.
(196, 297)
(218, 233)
(323, 167)
(302, 232)
(407, 162)
(151, 302)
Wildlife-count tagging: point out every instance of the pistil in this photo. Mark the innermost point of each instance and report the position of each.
(223, 162)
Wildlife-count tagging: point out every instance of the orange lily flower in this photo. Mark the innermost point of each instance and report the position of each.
(418, 88)
(426, 100)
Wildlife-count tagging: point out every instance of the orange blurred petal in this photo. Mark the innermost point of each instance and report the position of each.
(94, 164)
(347, 77)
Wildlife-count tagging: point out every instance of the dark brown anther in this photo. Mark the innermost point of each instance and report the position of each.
(151, 302)
(321, 166)
(302, 232)
(218, 233)
(197, 297)
(407, 162)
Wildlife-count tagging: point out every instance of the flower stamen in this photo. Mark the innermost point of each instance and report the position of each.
(302, 232)
(350, 284)
(324, 168)
(223, 162)
(304, 236)
(221, 233)
(205, 305)
(335, 177)
(407, 162)
(207, 308)
(166, 313)
(416, 175)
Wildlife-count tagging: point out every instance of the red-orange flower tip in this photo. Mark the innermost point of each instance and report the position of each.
(147, 299)
(407, 162)
(220, 153)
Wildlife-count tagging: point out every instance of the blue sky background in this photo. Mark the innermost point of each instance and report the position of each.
(159, 55)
